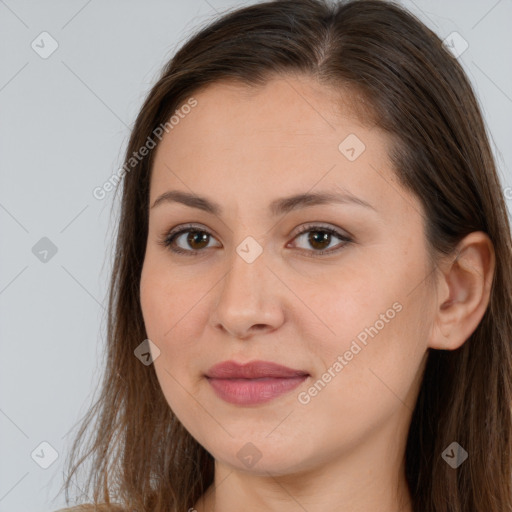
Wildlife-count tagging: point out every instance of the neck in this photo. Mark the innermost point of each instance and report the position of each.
(369, 477)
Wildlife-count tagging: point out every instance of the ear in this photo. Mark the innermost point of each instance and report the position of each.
(463, 291)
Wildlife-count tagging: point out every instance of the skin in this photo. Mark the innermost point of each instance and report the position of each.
(344, 450)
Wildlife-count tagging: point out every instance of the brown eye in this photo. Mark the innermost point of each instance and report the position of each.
(320, 237)
(194, 241)
(197, 237)
(187, 240)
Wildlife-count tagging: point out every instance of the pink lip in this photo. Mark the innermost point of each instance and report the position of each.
(253, 383)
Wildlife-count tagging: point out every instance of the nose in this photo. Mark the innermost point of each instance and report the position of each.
(249, 300)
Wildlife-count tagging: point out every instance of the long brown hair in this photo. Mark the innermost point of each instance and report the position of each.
(408, 84)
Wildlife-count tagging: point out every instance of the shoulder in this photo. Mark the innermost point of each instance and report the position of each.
(91, 507)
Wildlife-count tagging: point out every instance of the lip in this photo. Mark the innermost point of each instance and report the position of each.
(252, 370)
(253, 383)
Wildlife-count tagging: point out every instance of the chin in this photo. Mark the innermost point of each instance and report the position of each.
(263, 456)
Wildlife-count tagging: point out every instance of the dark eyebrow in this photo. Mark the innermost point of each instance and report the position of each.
(277, 207)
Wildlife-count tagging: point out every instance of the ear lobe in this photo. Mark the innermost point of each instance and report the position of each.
(464, 290)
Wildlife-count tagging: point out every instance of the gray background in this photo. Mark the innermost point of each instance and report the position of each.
(64, 125)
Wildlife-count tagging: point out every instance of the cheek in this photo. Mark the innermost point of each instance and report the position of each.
(174, 317)
(369, 373)
(164, 308)
(368, 329)
(152, 294)
(337, 307)
(166, 297)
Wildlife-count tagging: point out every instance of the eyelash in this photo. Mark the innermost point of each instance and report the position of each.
(168, 239)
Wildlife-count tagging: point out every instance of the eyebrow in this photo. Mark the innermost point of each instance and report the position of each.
(277, 207)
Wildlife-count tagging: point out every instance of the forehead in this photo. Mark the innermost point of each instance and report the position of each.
(284, 107)
(288, 136)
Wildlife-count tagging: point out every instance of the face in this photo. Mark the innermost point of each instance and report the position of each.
(335, 289)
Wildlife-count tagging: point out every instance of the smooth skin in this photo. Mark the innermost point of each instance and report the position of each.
(243, 148)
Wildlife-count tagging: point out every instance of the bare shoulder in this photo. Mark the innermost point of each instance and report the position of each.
(91, 507)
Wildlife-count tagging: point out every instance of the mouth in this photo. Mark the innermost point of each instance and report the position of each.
(253, 383)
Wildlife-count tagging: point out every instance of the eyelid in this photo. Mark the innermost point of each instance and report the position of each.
(342, 233)
(188, 227)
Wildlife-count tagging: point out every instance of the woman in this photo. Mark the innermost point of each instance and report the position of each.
(254, 361)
